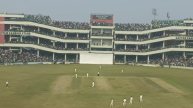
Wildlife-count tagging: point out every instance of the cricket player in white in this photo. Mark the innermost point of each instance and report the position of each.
(7, 84)
(124, 103)
(75, 70)
(131, 100)
(98, 74)
(76, 75)
(122, 70)
(111, 104)
(87, 75)
(93, 84)
(141, 98)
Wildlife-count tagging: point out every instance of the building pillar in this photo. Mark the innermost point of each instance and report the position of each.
(54, 43)
(125, 37)
(54, 33)
(125, 47)
(87, 46)
(114, 47)
(53, 57)
(148, 59)
(184, 54)
(148, 46)
(38, 40)
(125, 59)
(21, 28)
(38, 29)
(163, 44)
(136, 59)
(184, 43)
(163, 56)
(101, 31)
(77, 46)
(77, 58)
(20, 50)
(38, 53)
(21, 39)
(65, 45)
(66, 35)
(137, 47)
(164, 33)
(77, 35)
(10, 27)
(137, 37)
(10, 37)
(88, 36)
(65, 57)
(113, 58)
(149, 36)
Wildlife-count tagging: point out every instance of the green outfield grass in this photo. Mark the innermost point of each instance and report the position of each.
(54, 86)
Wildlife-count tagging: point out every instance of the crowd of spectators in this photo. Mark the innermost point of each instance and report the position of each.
(175, 60)
(145, 48)
(154, 25)
(166, 23)
(15, 56)
(170, 61)
(118, 26)
(9, 56)
(48, 44)
(61, 24)
(71, 25)
(39, 19)
(155, 61)
(132, 27)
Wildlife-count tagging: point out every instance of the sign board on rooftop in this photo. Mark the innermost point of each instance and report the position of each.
(101, 19)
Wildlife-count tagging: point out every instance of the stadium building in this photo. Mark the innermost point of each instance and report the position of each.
(39, 39)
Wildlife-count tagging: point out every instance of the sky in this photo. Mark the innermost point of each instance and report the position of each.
(124, 11)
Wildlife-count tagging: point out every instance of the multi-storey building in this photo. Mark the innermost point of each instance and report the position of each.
(101, 41)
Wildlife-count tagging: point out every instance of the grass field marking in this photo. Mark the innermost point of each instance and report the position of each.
(61, 84)
(167, 86)
(102, 83)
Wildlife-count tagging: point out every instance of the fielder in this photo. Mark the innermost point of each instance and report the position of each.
(100, 67)
(131, 100)
(93, 84)
(141, 98)
(75, 70)
(124, 103)
(122, 70)
(98, 74)
(7, 84)
(111, 104)
(87, 75)
(76, 75)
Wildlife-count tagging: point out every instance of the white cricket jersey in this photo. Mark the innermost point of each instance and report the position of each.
(141, 98)
(124, 100)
